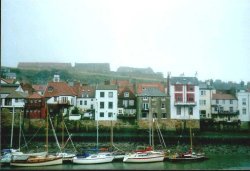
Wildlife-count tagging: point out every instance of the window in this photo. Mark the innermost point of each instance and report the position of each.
(101, 105)
(110, 114)
(190, 111)
(221, 109)
(64, 99)
(16, 100)
(203, 92)
(101, 94)
(120, 111)
(145, 106)
(178, 87)
(55, 99)
(164, 115)
(217, 101)
(144, 115)
(244, 101)
(231, 109)
(203, 102)
(231, 101)
(50, 89)
(101, 114)
(80, 102)
(110, 94)
(178, 110)
(126, 94)
(145, 98)
(178, 97)
(190, 97)
(163, 105)
(91, 106)
(125, 103)
(85, 102)
(110, 105)
(190, 88)
(244, 111)
(131, 102)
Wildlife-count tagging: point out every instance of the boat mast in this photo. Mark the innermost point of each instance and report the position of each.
(20, 129)
(12, 126)
(190, 132)
(111, 134)
(62, 131)
(47, 130)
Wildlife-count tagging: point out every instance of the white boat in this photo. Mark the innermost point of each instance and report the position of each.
(144, 157)
(66, 156)
(94, 159)
(35, 161)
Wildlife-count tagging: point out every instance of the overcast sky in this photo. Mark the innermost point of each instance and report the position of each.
(211, 37)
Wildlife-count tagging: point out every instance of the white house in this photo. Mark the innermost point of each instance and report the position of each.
(184, 98)
(206, 92)
(12, 95)
(106, 102)
(244, 105)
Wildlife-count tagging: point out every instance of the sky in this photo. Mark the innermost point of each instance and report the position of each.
(210, 37)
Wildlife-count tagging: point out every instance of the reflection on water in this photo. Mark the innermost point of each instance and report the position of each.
(233, 162)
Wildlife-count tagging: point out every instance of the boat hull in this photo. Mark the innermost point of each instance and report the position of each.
(89, 160)
(193, 158)
(38, 162)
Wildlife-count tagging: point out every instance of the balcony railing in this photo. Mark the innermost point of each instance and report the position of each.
(187, 103)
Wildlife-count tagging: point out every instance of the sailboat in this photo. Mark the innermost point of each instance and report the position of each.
(99, 157)
(37, 160)
(190, 155)
(148, 154)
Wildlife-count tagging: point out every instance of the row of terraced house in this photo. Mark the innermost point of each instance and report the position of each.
(178, 98)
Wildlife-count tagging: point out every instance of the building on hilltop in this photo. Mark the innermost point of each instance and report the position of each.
(44, 65)
(93, 67)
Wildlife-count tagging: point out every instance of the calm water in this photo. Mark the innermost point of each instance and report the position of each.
(222, 162)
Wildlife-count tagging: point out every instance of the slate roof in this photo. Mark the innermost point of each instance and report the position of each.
(59, 89)
(142, 86)
(152, 92)
(17, 95)
(184, 80)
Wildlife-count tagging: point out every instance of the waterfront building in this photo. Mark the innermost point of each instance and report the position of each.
(60, 97)
(244, 106)
(35, 107)
(106, 102)
(152, 102)
(206, 92)
(12, 95)
(224, 107)
(184, 95)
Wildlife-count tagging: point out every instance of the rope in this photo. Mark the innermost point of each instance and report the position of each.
(54, 132)
(118, 148)
(32, 137)
(69, 138)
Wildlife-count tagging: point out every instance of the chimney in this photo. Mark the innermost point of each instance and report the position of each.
(56, 78)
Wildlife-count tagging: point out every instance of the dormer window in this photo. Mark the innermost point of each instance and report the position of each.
(126, 94)
(50, 89)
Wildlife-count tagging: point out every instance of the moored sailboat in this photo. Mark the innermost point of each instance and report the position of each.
(37, 160)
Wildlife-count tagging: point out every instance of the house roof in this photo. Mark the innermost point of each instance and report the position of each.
(87, 91)
(7, 81)
(220, 96)
(142, 86)
(7, 89)
(184, 80)
(39, 87)
(126, 89)
(106, 87)
(152, 92)
(205, 86)
(18, 95)
(58, 89)
(35, 96)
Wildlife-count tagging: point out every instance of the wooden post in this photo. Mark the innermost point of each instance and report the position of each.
(62, 131)
(47, 131)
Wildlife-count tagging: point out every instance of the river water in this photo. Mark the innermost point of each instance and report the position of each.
(215, 162)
